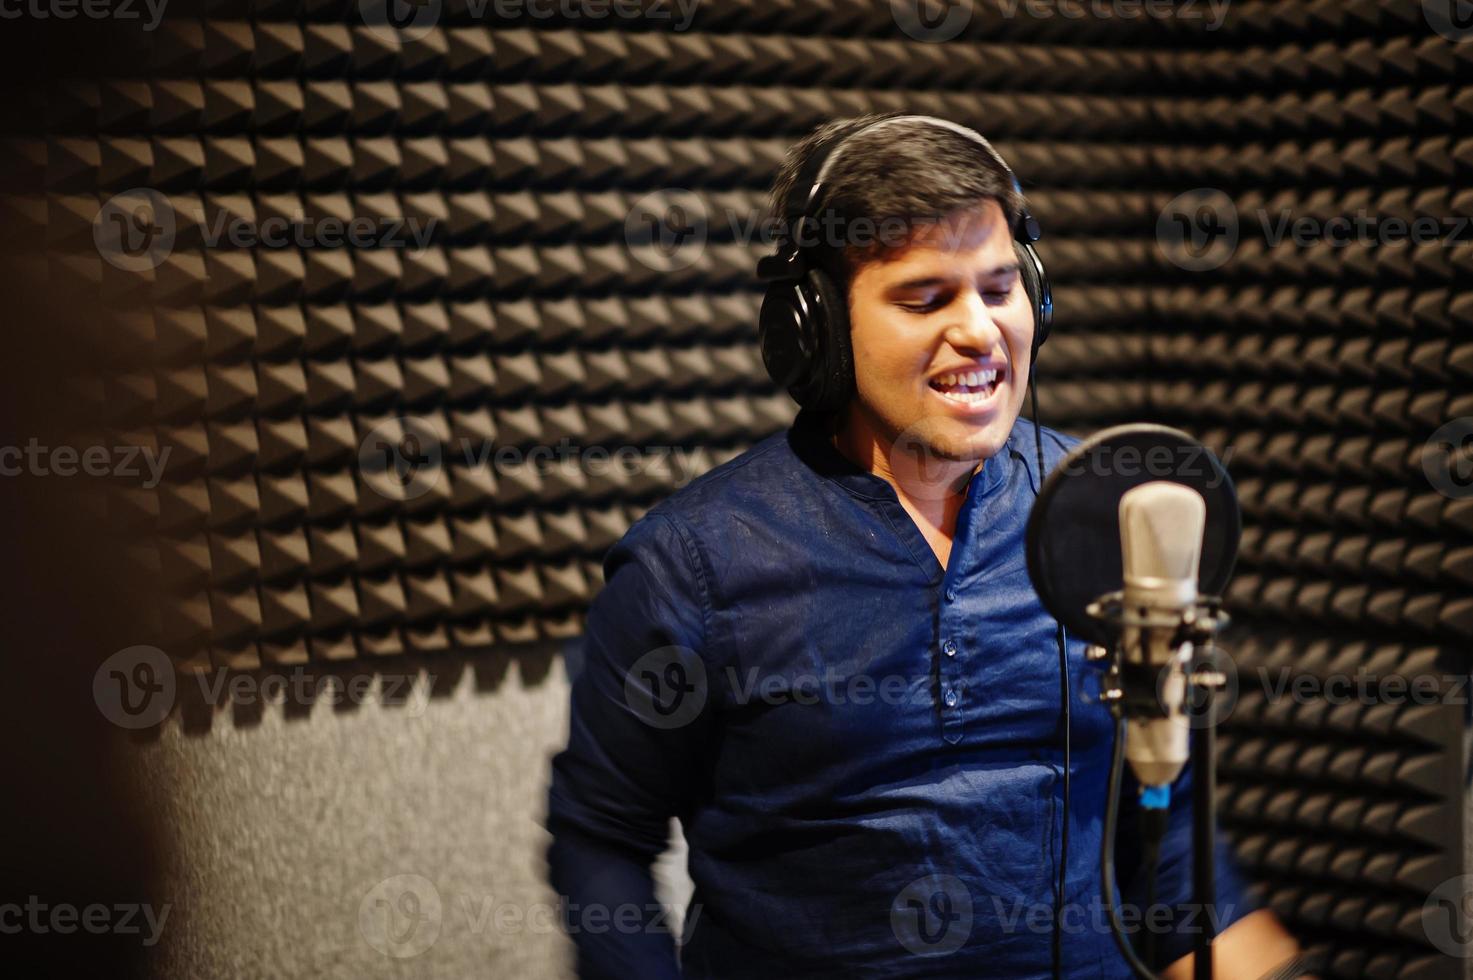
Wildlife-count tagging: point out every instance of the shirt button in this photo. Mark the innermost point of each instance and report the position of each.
(951, 595)
(951, 699)
(949, 648)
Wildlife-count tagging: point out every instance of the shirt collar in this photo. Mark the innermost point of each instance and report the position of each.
(809, 438)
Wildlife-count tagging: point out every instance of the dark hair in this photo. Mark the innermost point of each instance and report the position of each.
(913, 171)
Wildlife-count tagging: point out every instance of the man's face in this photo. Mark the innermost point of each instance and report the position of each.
(942, 334)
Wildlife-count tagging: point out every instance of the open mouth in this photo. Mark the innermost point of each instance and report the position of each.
(970, 388)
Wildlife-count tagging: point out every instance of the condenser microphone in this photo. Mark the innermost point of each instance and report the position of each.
(1161, 528)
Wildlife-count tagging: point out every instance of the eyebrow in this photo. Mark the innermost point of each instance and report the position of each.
(925, 281)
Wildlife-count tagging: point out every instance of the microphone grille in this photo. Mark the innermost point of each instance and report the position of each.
(1161, 527)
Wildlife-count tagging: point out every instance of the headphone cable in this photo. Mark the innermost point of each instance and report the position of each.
(1060, 883)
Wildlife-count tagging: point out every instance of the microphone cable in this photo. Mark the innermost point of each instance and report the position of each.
(1060, 883)
(1153, 827)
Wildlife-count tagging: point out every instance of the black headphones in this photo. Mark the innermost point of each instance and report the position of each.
(804, 323)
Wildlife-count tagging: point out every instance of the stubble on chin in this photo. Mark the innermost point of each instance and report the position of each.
(927, 439)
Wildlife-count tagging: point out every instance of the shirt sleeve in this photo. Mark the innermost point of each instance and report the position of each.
(1177, 925)
(638, 727)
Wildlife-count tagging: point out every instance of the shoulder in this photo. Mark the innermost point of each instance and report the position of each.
(744, 483)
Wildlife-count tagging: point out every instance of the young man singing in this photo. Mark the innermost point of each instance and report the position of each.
(826, 658)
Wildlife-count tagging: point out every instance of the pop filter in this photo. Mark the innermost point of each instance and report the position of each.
(1074, 551)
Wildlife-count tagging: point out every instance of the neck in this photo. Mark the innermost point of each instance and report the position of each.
(924, 481)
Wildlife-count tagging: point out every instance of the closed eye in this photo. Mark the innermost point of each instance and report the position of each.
(928, 307)
(994, 297)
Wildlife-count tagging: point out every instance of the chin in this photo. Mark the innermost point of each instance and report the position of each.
(953, 440)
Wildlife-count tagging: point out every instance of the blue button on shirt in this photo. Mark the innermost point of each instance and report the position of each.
(869, 777)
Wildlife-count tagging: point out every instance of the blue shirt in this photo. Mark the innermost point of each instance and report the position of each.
(864, 749)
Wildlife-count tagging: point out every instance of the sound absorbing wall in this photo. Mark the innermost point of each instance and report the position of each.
(552, 257)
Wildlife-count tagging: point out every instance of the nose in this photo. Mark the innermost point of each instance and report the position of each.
(973, 331)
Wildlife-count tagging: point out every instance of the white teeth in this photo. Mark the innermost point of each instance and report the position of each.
(966, 397)
(971, 379)
(969, 387)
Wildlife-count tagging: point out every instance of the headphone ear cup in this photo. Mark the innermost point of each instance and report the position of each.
(832, 381)
(1040, 297)
(787, 350)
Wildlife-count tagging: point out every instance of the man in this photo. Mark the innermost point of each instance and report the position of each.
(826, 659)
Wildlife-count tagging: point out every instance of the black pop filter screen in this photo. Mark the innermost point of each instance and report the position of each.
(1074, 554)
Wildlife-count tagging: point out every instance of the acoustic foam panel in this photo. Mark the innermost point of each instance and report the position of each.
(523, 147)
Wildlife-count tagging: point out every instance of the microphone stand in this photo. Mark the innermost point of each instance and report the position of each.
(1195, 629)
